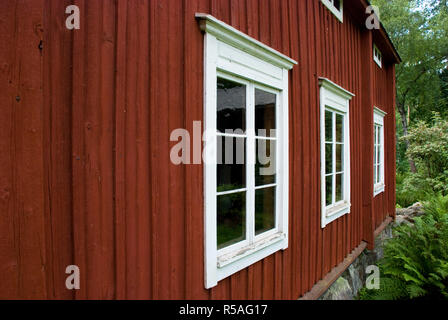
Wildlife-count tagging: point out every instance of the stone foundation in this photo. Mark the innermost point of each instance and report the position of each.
(347, 286)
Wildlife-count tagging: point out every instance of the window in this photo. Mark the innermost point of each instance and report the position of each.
(335, 6)
(335, 150)
(378, 151)
(246, 150)
(377, 56)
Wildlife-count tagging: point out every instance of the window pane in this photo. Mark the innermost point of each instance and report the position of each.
(375, 173)
(264, 210)
(328, 158)
(328, 190)
(339, 128)
(231, 170)
(231, 218)
(337, 4)
(378, 173)
(339, 187)
(264, 113)
(339, 158)
(231, 106)
(328, 126)
(375, 152)
(375, 137)
(265, 166)
(379, 154)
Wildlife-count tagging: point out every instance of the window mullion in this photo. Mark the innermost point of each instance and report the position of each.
(250, 166)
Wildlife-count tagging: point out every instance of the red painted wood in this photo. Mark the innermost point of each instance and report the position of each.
(85, 173)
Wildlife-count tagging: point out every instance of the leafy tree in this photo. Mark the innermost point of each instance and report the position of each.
(419, 30)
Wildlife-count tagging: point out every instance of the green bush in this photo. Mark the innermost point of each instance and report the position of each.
(415, 263)
(410, 192)
(428, 147)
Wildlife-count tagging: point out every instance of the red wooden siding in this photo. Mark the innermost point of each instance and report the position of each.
(384, 89)
(86, 177)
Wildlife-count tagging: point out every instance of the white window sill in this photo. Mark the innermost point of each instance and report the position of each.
(335, 212)
(232, 263)
(380, 188)
(233, 257)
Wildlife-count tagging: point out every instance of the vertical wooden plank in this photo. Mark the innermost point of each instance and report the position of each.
(367, 148)
(57, 91)
(193, 110)
(286, 256)
(119, 146)
(22, 205)
(315, 167)
(93, 93)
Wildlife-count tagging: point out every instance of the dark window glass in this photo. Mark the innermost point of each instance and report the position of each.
(231, 168)
(264, 210)
(231, 106)
(328, 190)
(328, 158)
(265, 166)
(339, 128)
(231, 219)
(379, 148)
(328, 126)
(337, 4)
(375, 153)
(339, 187)
(375, 173)
(339, 158)
(265, 103)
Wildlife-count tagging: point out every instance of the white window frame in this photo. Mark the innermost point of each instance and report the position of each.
(233, 55)
(335, 99)
(377, 56)
(378, 145)
(339, 14)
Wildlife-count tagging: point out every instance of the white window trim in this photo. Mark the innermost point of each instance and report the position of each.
(230, 53)
(377, 56)
(337, 98)
(378, 119)
(339, 14)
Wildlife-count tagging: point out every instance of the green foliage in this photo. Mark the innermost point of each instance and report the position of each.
(415, 263)
(390, 289)
(428, 147)
(409, 192)
(419, 30)
(437, 207)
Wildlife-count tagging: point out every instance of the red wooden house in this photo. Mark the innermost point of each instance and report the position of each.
(88, 128)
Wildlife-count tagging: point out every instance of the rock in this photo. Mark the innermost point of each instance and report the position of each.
(340, 290)
(416, 210)
(401, 220)
(355, 279)
(408, 215)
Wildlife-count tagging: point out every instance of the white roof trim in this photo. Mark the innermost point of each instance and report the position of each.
(330, 85)
(233, 37)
